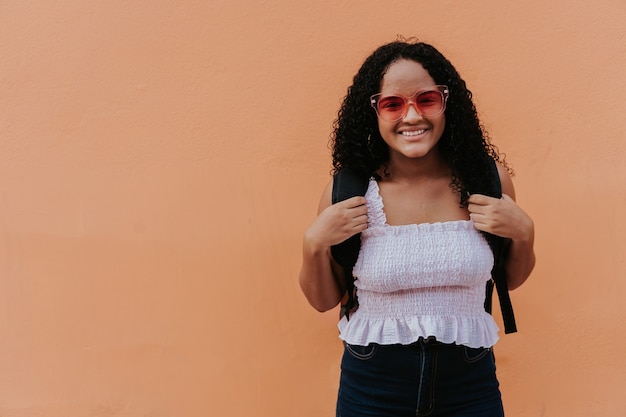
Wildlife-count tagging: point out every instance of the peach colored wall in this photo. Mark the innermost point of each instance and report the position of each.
(160, 161)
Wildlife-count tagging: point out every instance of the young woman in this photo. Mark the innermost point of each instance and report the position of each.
(420, 342)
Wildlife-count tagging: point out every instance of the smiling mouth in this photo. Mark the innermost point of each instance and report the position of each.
(413, 132)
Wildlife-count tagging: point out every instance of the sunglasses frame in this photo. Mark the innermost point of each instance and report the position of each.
(441, 89)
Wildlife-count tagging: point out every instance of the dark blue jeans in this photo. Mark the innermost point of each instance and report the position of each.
(426, 378)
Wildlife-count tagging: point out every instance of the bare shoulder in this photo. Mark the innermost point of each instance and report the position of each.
(326, 199)
(506, 181)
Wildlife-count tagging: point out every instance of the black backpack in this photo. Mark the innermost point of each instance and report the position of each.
(348, 183)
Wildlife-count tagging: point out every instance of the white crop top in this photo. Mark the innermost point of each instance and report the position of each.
(420, 280)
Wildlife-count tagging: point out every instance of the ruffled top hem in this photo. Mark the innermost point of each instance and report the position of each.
(474, 331)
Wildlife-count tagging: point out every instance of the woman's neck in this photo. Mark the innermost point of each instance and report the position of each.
(400, 169)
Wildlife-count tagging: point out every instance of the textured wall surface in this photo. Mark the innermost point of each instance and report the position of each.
(160, 160)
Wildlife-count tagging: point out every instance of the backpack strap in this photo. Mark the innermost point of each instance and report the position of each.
(348, 183)
(499, 247)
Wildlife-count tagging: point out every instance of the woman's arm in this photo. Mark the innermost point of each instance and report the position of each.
(503, 217)
(321, 278)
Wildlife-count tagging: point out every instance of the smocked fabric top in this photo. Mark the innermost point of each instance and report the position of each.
(420, 280)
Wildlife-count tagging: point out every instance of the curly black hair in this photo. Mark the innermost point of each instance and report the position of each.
(465, 146)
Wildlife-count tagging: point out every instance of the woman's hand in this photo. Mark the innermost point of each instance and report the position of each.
(501, 217)
(336, 223)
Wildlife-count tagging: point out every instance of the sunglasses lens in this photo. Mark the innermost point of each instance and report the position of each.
(429, 103)
(391, 108)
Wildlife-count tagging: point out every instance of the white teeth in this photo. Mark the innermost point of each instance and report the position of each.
(414, 132)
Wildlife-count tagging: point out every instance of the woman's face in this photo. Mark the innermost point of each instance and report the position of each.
(413, 136)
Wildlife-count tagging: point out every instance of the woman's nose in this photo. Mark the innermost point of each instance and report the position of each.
(411, 113)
